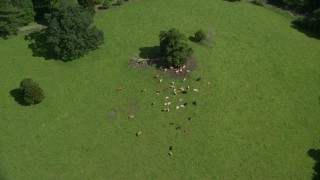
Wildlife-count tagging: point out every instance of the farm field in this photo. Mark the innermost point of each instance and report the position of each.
(256, 120)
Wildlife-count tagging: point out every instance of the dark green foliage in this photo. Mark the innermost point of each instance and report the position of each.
(120, 2)
(27, 7)
(70, 34)
(88, 4)
(200, 35)
(98, 2)
(304, 6)
(107, 4)
(10, 18)
(173, 47)
(31, 91)
(43, 7)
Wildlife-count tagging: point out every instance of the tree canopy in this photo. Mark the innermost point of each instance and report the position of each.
(70, 33)
(173, 47)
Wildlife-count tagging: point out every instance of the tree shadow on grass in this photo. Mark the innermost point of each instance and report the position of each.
(150, 52)
(192, 39)
(315, 154)
(39, 46)
(302, 26)
(153, 56)
(18, 97)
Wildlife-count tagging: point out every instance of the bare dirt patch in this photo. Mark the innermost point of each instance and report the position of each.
(112, 114)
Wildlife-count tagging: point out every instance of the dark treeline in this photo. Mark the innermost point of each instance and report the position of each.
(301, 6)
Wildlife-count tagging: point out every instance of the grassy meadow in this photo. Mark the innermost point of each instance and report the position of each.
(257, 120)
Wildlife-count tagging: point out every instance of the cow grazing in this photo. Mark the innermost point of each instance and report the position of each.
(198, 79)
(170, 148)
(165, 110)
(143, 90)
(131, 117)
(153, 104)
(139, 133)
(160, 80)
(119, 89)
(184, 79)
(157, 76)
(178, 128)
(195, 90)
(186, 130)
(171, 123)
(177, 107)
(170, 153)
(189, 118)
(194, 103)
(188, 87)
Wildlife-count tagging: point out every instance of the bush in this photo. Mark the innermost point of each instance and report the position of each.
(107, 4)
(205, 37)
(120, 2)
(31, 91)
(200, 35)
(173, 47)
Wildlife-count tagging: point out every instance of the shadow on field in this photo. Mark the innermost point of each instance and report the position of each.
(192, 39)
(308, 26)
(315, 154)
(38, 45)
(150, 52)
(17, 95)
(153, 56)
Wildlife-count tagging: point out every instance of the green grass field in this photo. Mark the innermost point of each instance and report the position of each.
(257, 120)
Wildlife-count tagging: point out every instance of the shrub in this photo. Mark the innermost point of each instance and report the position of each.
(107, 4)
(205, 37)
(173, 47)
(31, 91)
(200, 35)
(120, 2)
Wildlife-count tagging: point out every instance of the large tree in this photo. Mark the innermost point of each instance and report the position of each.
(173, 47)
(27, 7)
(10, 18)
(70, 33)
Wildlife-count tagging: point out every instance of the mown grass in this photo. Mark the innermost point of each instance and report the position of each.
(257, 120)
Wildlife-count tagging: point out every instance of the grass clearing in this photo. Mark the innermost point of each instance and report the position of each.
(257, 120)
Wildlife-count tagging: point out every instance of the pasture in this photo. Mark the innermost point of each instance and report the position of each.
(256, 120)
